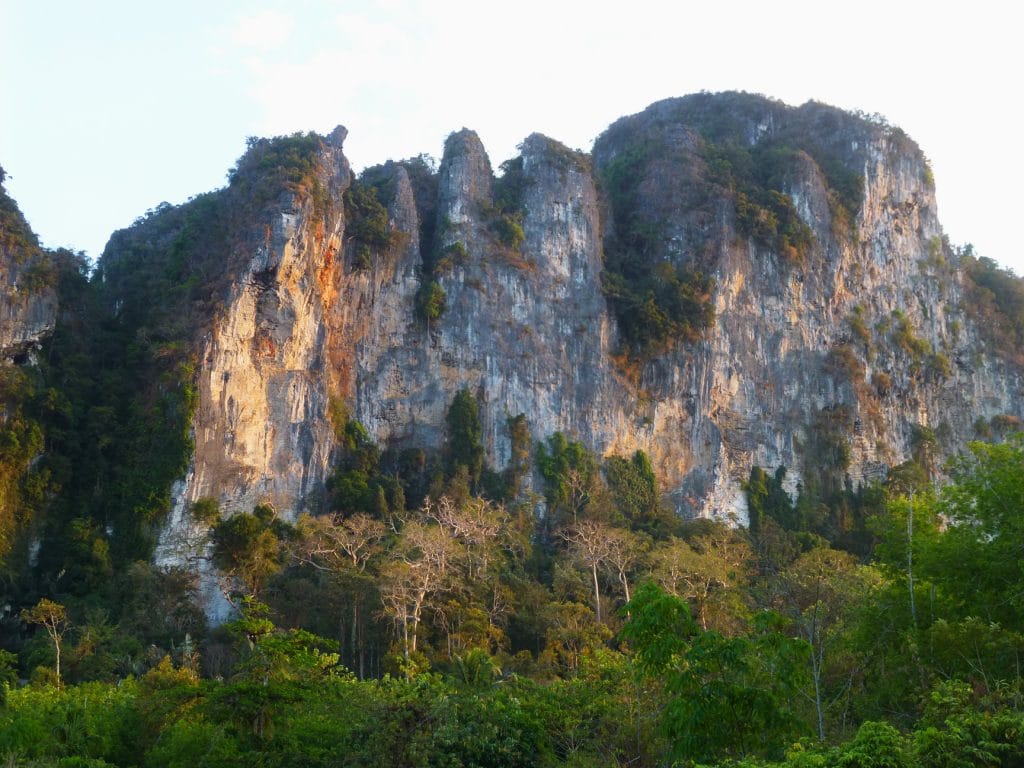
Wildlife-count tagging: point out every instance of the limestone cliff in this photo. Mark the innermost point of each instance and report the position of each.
(840, 331)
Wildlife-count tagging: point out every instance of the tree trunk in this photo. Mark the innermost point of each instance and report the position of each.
(354, 637)
(405, 637)
(910, 560)
(816, 664)
(597, 595)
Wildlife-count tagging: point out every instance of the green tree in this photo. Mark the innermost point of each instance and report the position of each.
(247, 547)
(818, 593)
(710, 574)
(635, 492)
(520, 447)
(431, 301)
(727, 697)
(463, 446)
(569, 471)
(766, 497)
(274, 669)
(977, 558)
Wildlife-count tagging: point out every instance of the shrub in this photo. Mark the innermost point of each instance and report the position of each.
(509, 229)
(882, 382)
(366, 223)
(841, 360)
(904, 337)
(938, 364)
(858, 327)
(431, 301)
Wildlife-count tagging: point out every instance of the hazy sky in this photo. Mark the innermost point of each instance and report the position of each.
(109, 108)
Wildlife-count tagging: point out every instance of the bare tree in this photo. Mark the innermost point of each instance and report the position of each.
(588, 545)
(53, 618)
(421, 569)
(332, 543)
(625, 551)
(343, 548)
(475, 522)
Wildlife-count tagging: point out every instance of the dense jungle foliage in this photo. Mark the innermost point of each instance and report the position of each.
(432, 619)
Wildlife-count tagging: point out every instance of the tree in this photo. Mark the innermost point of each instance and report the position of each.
(520, 445)
(52, 617)
(727, 697)
(767, 498)
(625, 551)
(272, 669)
(463, 447)
(977, 559)
(817, 591)
(334, 543)
(431, 301)
(343, 549)
(589, 545)
(635, 491)
(248, 547)
(475, 522)
(712, 568)
(569, 471)
(420, 570)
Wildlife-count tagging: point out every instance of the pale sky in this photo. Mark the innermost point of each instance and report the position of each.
(108, 108)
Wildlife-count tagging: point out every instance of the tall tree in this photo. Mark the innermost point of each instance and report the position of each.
(464, 435)
(53, 618)
(589, 545)
(817, 592)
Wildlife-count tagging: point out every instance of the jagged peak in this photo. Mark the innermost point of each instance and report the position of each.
(337, 137)
(464, 141)
(465, 173)
(542, 148)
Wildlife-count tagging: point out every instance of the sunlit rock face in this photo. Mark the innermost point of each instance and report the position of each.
(850, 343)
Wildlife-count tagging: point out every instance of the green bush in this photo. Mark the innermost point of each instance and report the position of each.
(509, 229)
(366, 224)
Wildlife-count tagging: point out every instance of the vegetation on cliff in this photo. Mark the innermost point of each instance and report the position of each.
(16, 236)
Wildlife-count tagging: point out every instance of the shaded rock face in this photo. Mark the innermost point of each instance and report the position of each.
(28, 299)
(856, 342)
(27, 315)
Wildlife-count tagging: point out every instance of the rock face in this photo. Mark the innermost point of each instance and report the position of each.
(840, 351)
(28, 301)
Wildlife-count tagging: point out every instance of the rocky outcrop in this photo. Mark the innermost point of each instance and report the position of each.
(28, 299)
